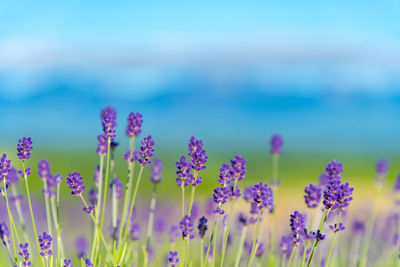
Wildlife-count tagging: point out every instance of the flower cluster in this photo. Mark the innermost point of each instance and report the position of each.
(24, 148)
(156, 170)
(173, 258)
(45, 244)
(276, 144)
(262, 197)
(50, 180)
(187, 226)
(337, 227)
(102, 145)
(185, 177)
(134, 123)
(297, 226)
(198, 154)
(75, 182)
(202, 226)
(146, 151)
(5, 166)
(238, 168)
(313, 195)
(108, 116)
(4, 233)
(24, 253)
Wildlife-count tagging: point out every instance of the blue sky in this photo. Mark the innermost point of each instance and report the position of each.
(310, 69)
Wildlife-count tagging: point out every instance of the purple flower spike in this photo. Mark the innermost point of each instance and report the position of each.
(323, 179)
(102, 145)
(397, 184)
(225, 175)
(202, 226)
(286, 245)
(108, 117)
(220, 195)
(297, 226)
(185, 177)
(197, 153)
(146, 151)
(45, 244)
(81, 246)
(5, 166)
(135, 232)
(262, 197)
(337, 227)
(313, 195)
(119, 187)
(75, 182)
(67, 263)
(89, 209)
(24, 148)
(238, 168)
(337, 196)
(334, 169)
(173, 258)
(186, 225)
(24, 253)
(260, 250)
(382, 167)
(4, 233)
(93, 196)
(134, 123)
(156, 170)
(276, 144)
(88, 263)
(131, 157)
(12, 176)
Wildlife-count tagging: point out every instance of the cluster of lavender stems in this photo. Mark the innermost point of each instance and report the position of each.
(329, 200)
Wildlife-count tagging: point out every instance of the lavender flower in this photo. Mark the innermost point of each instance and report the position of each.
(12, 176)
(88, 263)
(5, 166)
(397, 184)
(108, 117)
(286, 245)
(119, 187)
(156, 170)
(24, 148)
(323, 179)
(88, 209)
(131, 157)
(262, 198)
(93, 196)
(135, 231)
(24, 253)
(75, 182)
(312, 196)
(337, 196)
(276, 144)
(297, 226)
(67, 263)
(45, 244)
(238, 168)
(334, 169)
(173, 258)
(185, 177)
(197, 153)
(260, 250)
(134, 123)
(225, 175)
(173, 233)
(81, 246)
(337, 227)
(102, 145)
(186, 225)
(4, 233)
(220, 196)
(202, 226)
(382, 167)
(146, 151)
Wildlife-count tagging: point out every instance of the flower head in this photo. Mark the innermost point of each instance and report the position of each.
(4, 233)
(88, 263)
(108, 117)
(312, 195)
(397, 184)
(24, 148)
(334, 169)
(262, 197)
(173, 258)
(220, 196)
(24, 253)
(68, 263)
(337, 196)
(45, 244)
(133, 128)
(276, 144)
(75, 182)
(382, 167)
(184, 167)
(88, 209)
(238, 168)
(102, 145)
(337, 227)
(225, 175)
(202, 226)
(5, 166)
(81, 246)
(146, 151)
(297, 226)
(186, 225)
(156, 170)
(135, 231)
(12, 176)
(197, 153)
(131, 157)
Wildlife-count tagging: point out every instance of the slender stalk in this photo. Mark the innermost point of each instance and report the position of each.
(241, 245)
(114, 200)
(151, 217)
(60, 247)
(303, 259)
(215, 246)
(31, 212)
(187, 257)
(183, 200)
(128, 187)
(253, 248)
(226, 235)
(291, 256)
(183, 252)
(201, 251)
(106, 183)
(211, 240)
(333, 241)
(10, 219)
(19, 212)
(132, 205)
(321, 226)
(47, 207)
(192, 194)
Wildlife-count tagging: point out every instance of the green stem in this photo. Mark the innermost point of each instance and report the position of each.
(303, 259)
(192, 194)
(241, 245)
(105, 184)
(253, 248)
(227, 227)
(333, 241)
(183, 200)
(201, 251)
(47, 207)
(10, 219)
(215, 246)
(321, 226)
(19, 212)
(31, 212)
(291, 256)
(211, 240)
(151, 217)
(60, 249)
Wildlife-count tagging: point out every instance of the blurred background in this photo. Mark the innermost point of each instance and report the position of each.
(324, 75)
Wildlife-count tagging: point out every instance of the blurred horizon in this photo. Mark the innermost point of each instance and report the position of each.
(324, 75)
